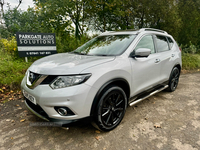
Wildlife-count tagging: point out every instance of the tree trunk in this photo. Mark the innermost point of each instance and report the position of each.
(142, 20)
(2, 11)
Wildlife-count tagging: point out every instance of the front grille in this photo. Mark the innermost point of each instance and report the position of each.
(37, 108)
(49, 79)
(34, 77)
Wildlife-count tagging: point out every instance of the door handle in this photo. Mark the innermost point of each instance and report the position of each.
(157, 60)
(173, 55)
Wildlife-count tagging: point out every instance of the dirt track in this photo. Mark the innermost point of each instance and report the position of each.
(165, 121)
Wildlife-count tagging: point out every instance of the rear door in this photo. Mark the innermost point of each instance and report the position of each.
(166, 55)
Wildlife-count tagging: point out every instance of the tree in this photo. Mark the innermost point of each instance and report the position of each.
(18, 20)
(189, 12)
(109, 14)
(181, 18)
(2, 3)
(61, 13)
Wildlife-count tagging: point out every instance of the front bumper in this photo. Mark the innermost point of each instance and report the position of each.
(38, 111)
(77, 98)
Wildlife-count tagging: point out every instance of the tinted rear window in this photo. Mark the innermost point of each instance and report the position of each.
(162, 44)
(171, 42)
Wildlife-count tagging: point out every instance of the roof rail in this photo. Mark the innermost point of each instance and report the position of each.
(152, 29)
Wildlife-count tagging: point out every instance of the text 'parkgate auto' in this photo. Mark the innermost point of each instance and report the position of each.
(101, 78)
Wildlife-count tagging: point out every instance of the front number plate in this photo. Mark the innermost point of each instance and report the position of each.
(29, 97)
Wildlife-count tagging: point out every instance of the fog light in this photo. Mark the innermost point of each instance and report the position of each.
(62, 111)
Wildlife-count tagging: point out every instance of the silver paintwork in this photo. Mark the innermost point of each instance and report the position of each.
(140, 73)
(143, 52)
(66, 63)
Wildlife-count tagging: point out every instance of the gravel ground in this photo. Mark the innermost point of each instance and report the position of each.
(165, 121)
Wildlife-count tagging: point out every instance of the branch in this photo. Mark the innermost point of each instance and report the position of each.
(20, 1)
(2, 2)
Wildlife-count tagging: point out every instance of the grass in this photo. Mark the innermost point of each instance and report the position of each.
(190, 61)
(11, 70)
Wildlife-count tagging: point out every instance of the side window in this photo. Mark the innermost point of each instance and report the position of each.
(162, 44)
(171, 42)
(146, 42)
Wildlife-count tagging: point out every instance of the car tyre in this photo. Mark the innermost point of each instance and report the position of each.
(110, 109)
(174, 79)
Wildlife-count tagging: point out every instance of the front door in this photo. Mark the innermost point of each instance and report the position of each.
(146, 70)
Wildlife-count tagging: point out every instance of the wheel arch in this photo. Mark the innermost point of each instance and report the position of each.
(178, 66)
(118, 82)
(171, 89)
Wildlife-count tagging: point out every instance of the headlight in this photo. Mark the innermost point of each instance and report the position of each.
(66, 81)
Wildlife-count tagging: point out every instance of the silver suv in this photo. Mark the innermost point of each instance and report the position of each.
(100, 79)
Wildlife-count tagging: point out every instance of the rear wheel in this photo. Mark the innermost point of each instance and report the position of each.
(111, 108)
(174, 79)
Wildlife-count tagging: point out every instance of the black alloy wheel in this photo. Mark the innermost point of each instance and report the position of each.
(111, 108)
(174, 79)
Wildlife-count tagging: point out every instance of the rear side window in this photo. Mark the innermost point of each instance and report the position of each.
(162, 44)
(171, 42)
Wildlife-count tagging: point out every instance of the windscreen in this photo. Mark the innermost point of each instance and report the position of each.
(110, 45)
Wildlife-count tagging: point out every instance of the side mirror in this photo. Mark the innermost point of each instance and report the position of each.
(141, 52)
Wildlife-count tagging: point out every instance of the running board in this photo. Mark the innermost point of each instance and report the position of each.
(154, 92)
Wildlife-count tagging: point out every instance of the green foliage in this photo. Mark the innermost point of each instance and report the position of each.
(9, 45)
(189, 13)
(109, 15)
(126, 14)
(180, 18)
(23, 21)
(60, 14)
(12, 70)
(4, 32)
(70, 43)
(190, 61)
(192, 49)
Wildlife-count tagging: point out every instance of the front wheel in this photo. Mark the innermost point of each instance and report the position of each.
(111, 108)
(174, 79)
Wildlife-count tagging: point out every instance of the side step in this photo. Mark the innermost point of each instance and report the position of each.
(154, 92)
